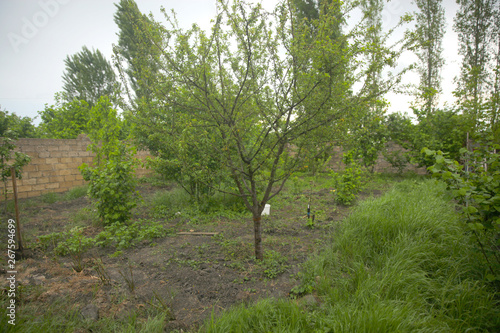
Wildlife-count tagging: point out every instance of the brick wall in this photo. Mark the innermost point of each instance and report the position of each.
(380, 166)
(383, 166)
(54, 165)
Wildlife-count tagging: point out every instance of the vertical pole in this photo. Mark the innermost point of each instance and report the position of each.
(18, 225)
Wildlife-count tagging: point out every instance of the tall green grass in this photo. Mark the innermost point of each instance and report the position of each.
(177, 203)
(401, 263)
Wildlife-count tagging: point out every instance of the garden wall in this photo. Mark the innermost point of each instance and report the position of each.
(54, 165)
(380, 166)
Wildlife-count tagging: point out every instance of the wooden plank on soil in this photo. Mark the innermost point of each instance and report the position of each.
(198, 233)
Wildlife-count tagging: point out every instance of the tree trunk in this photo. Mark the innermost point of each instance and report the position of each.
(257, 226)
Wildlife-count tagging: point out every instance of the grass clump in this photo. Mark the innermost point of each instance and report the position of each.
(177, 203)
(266, 316)
(76, 192)
(401, 263)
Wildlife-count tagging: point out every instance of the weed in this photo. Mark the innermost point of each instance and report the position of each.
(75, 244)
(194, 264)
(274, 264)
(177, 203)
(235, 249)
(268, 315)
(154, 180)
(128, 277)
(202, 248)
(45, 242)
(237, 265)
(101, 271)
(311, 222)
(123, 236)
(76, 192)
(163, 306)
(49, 198)
(115, 254)
(86, 216)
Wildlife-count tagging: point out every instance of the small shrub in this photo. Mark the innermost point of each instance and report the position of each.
(476, 191)
(350, 182)
(9, 158)
(51, 240)
(112, 179)
(75, 244)
(112, 185)
(397, 159)
(123, 236)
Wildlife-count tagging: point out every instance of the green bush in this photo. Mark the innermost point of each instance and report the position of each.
(123, 236)
(112, 180)
(397, 159)
(74, 243)
(112, 185)
(10, 159)
(476, 189)
(350, 182)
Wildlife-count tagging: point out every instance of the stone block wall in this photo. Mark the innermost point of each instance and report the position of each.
(54, 165)
(381, 165)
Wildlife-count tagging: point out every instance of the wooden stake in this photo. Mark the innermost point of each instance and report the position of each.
(198, 233)
(18, 224)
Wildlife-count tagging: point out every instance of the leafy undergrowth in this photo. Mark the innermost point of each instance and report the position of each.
(149, 275)
(401, 263)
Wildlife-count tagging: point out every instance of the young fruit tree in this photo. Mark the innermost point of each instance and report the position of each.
(251, 97)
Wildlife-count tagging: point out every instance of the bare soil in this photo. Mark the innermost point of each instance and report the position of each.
(189, 275)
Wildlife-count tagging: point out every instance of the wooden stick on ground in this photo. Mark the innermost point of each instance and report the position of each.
(198, 233)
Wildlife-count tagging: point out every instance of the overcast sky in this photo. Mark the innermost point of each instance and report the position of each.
(37, 35)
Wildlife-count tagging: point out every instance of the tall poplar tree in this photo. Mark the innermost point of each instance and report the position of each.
(89, 76)
(308, 12)
(367, 135)
(474, 26)
(135, 53)
(430, 29)
(373, 40)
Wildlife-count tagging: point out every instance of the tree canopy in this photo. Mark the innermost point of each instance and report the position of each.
(88, 76)
(250, 95)
(20, 127)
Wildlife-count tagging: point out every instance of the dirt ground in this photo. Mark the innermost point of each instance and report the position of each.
(189, 275)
